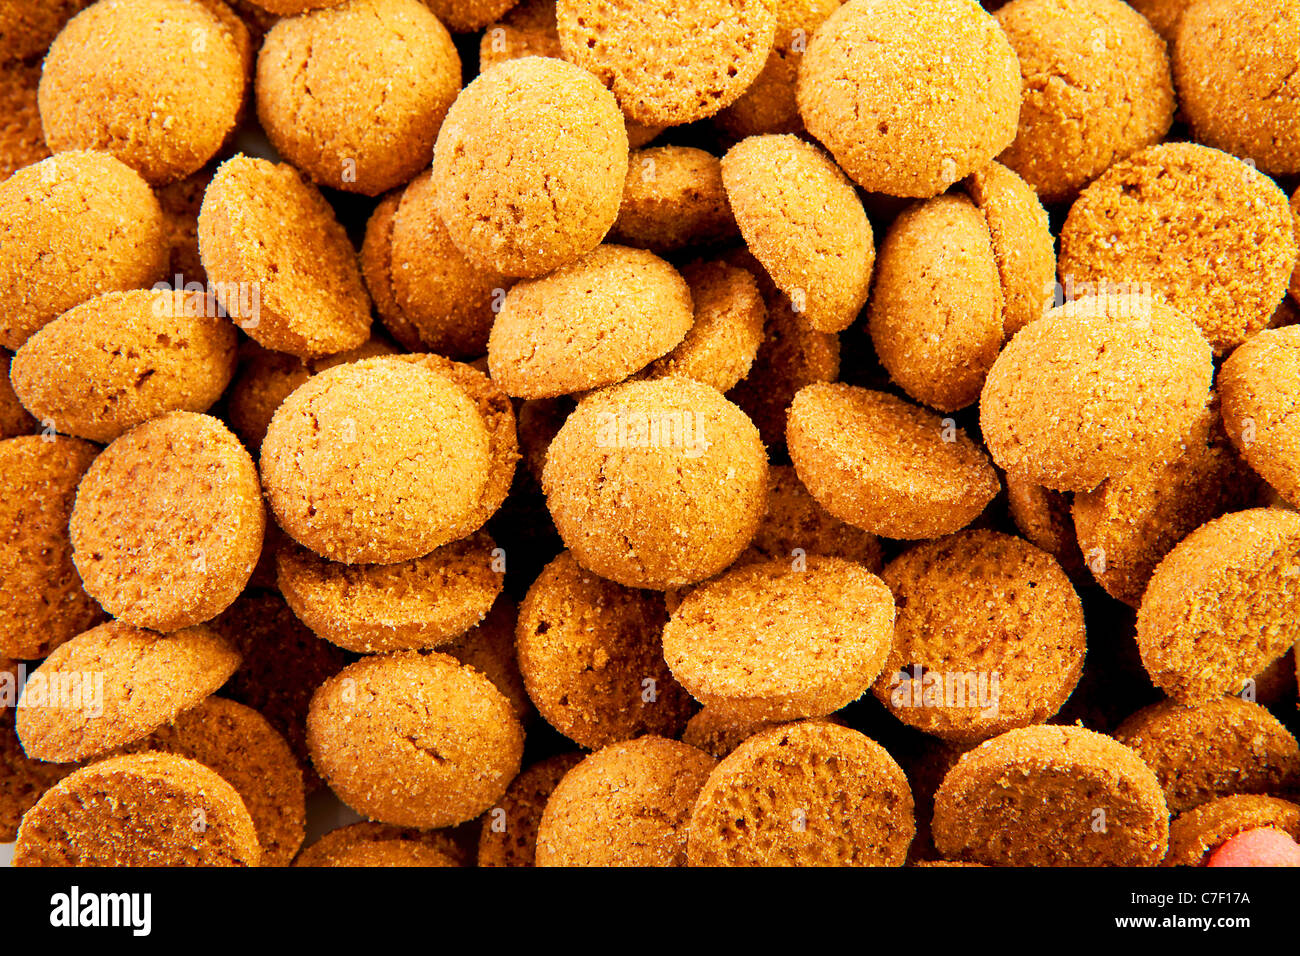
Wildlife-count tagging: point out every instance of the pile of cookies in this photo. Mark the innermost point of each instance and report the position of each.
(613, 432)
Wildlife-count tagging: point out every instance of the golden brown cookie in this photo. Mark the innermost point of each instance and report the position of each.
(363, 130)
(1051, 796)
(280, 263)
(489, 648)
(673, 198)
(378, 844)
(14, 419)
(139, 810)
(625, 805)
(1237, 68)
(718, 733)
(168, 522)
(668, 68)
(1097, 88)
(373, 608)
(159, 84)
(1128, 377)
(805, 794)
(1260, 385)
(796, 526)
(1128, 524)
(802, 219)
(588, 324)
(1163, 15)
(376, 461)
(590, 654)
(527, 218)
(181, 202)
(246, 751)
(1198, 229)
(936, 313)
(769, 641)
(527, 29)
(21, 140)
(509, 833)
(115, 684)
(28, 26)
(885, 465)
(22, 779)
(1217, 749)
(72, 227)
(414, 740)
(42, 602)
(123, 358)
(1195, 834)
(1043, 517)
(1221, 606)
(656, 484)
(932, 92)
(990, 636)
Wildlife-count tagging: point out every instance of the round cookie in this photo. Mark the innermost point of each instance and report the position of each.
(989, 636)
(1221, 606)
(1097, 88)
(625, 805)
(123, 358)
(427, 293)
(159, 84)
(769, 104)
(386, 853)
(669, 65)
(796, 526)
(1129, 378)
(440, 728)
(378, 844)
(22, 780)
(377, 461)
(42, 603)
(139, 810)
(656, 484)
(769, 641)
(373, 608)
(245, 750)
(73, 226)
(1043, 517)
(588, 324)
(1134, 518)
(1260, 386)
(28, 26)
(591, 658)
(268, 378)
(359, 130)
(21, 139)
(115, 684)
(718, 733)
(726, 331)
(803, 220)
(14, 419)
(1194, 835)
(168, 522)
(509, 833)
(282, 266)
(933, 92)
(1051, 796)
(489, 648)
(1223, 747)
(1023, 244)
(1193, 227)
(527, 29)
(935, 316)
(884, 465)
(805, 794)
(180, 203)
(1237, 68)
(1163, 15)
(673, 198)
(529, 218)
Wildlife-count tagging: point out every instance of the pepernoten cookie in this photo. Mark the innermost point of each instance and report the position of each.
(626, 805)
(1051, 796)
(805, 794)
(796, 526)
(438, 727)
(1222, 605)
(27, 28)
(990, 636)
(22, 141)
(42, 603)
(509, 831)
(115, 684)
(885, 465)
(1260, 386)
(139, 810)
(378, 844)
(489, 648)
(14, 419)
(591, 658)
(673, 199)
(1194, 835)
(22, 779)
(1223, 747)
(656, 484)
(780, 641)
(168, 522)
(803, 220)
